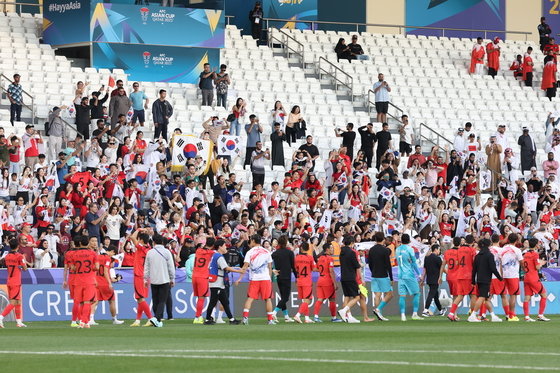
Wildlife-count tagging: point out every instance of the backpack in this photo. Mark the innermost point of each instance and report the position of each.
(214, 269)
(222, 87)
(48, 127)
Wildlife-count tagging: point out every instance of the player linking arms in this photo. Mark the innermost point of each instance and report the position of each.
(483, 268)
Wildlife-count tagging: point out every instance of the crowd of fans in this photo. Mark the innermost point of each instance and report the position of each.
(53, 190)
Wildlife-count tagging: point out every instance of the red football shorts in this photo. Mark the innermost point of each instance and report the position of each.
(497, 287)
(140, 291)
(260, 289)
(532, 288)
(452, 287)
(71, 289)
(14, 292)
(464, 287)
(105, 293)
(305, 292)
(85, 293)
(325, 292)
(512, 286)
(474, 290)
(200, 287)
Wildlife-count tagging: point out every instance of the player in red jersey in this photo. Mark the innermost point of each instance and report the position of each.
(305, 265)
(70, 279)
(200, 274)
(105, 291)
(532, 284)
(497, 286)
(15, 262)
(463, 281)
(450, 266)
(141, 239)
(85, 266)
(326, 285)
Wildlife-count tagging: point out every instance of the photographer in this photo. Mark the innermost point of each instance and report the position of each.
(348, 138)
(294, 120)
(257, 164)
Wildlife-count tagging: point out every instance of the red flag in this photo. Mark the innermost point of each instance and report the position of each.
(80, 177)
(111, 82)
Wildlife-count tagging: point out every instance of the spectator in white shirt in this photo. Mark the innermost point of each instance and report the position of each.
(43, 256)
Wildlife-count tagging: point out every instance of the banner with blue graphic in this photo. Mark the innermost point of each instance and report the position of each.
(66, 22)
(153, 24)
(293, 10)
(551, 11)
(466, 14)
(203, 4)
(153, 63)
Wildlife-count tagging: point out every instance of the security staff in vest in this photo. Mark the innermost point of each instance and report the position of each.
(159, 272)
(218, 278)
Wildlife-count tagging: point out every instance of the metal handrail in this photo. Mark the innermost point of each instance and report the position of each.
(438, 135)
(370, 103)
(18, 11)
(399, 27)
(333, 72)
(31, 108)
(285, 42)
(228, 19)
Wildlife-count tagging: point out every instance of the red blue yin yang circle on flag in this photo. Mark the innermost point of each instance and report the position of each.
(141, 177)
(230, 145)
(190, 151)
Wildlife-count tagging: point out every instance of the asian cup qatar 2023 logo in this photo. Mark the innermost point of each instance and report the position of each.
(144, 13)
(146, 56)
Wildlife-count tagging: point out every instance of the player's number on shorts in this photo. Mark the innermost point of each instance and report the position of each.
(201, 262)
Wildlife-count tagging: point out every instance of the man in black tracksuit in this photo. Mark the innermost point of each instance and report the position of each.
(283, 259)
(483, 268)
(368, 138)
(432, 266)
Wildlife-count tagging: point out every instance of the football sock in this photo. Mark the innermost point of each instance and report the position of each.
(245, 312)
(453, 308)
(146, 309)
(542, 305)
(382, 305)
(18, 312)
(86, 312)
(332, 307)
(199, 306)
(268, 315)
(220, 315)
(506, 310)
(402, 304)
(318, 308)
(276, 310)
(305, 309)
(415, 302)
(526, 308)
(285, 312)
(138, 312)
(7, 310)
(76, 312)
(482, 309)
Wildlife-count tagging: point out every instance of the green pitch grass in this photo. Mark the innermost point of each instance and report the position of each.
(414, 346)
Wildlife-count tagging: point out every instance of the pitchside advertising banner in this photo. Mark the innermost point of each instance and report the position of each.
(291, 9)
(466, 14)
(44, 299)
(154, 63)
(152, 24)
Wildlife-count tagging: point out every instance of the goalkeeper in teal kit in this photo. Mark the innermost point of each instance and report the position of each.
(408, 282)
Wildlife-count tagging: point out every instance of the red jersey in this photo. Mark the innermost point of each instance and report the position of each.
(84, 261)
(139, 259)
(324, 264)
(451, 258)
(14, 262)
(465, 260)
(68, 263)
(446, 229)
(202, 263)
(304, 266)
(104, 261)
(530, 263)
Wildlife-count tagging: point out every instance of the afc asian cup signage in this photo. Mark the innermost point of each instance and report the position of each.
(161, 59)
(289, 2)
(161, 15)
(144, 12)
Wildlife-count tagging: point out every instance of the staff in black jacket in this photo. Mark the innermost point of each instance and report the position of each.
(379, 261)
(483, 268)
(432, 268)
(283, 259)
(349, 274)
